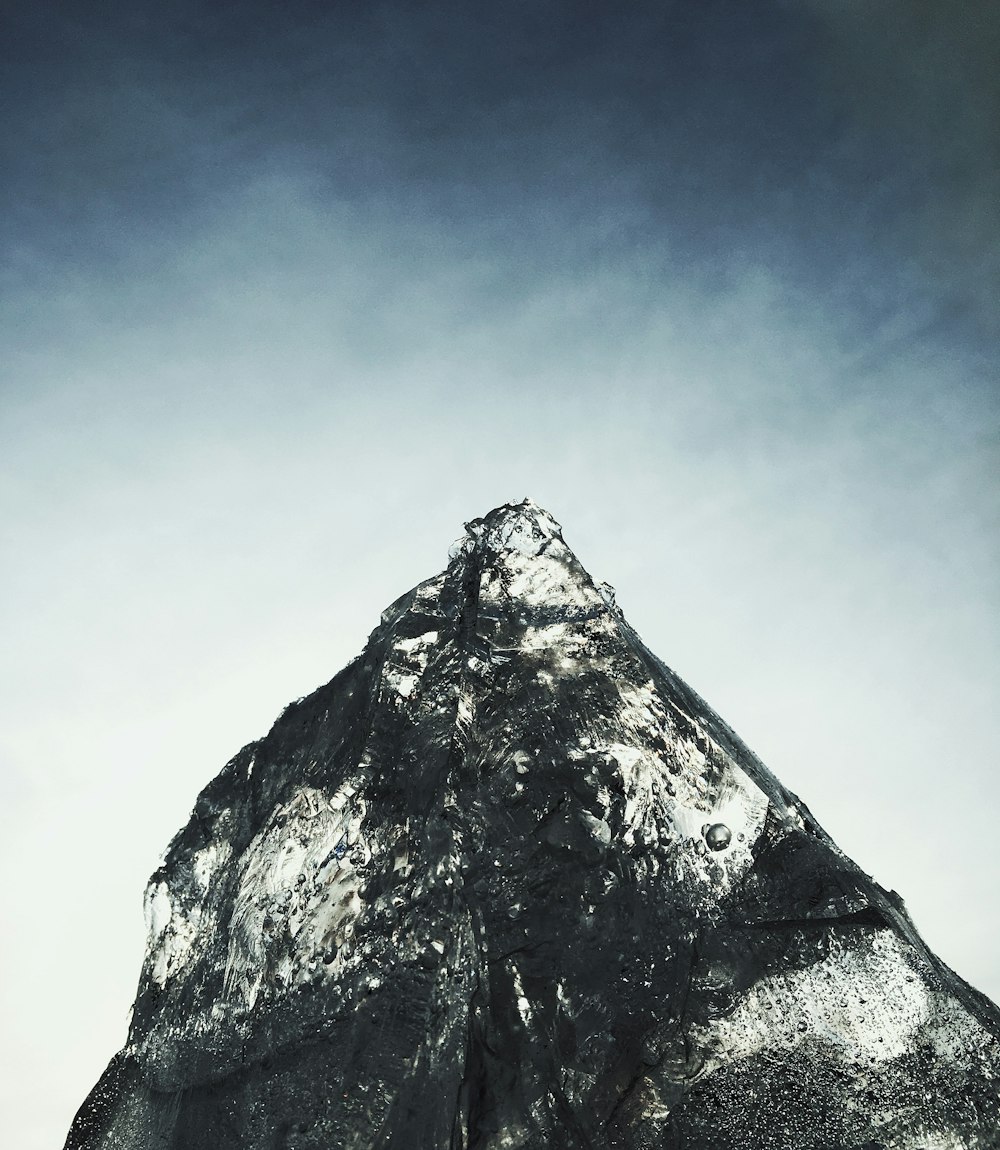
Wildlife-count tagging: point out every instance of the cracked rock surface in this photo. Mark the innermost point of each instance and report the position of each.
(506, 881)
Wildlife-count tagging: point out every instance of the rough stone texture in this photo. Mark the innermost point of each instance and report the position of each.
(506, 881)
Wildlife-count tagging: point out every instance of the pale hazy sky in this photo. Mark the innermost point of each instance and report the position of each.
(290, 291)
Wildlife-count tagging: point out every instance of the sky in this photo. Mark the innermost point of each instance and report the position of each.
(291, 291)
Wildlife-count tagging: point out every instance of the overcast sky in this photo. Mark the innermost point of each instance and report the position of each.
(292, 290)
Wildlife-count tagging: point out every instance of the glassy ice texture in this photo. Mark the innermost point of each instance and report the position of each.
(506, 881)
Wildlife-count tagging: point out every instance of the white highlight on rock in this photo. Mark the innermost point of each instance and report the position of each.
(876, 1018)
(209, 860)
(171, 933)
(298, 897)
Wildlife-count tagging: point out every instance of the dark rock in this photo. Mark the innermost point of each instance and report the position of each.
(506, 881)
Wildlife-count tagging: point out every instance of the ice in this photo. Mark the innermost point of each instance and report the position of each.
(506, 881)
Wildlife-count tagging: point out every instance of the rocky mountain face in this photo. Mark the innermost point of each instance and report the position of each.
(506, 881)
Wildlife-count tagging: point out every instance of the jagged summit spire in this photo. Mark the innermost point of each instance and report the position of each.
(514, 559)
(512, 533)
(524, 527)
(506, 881)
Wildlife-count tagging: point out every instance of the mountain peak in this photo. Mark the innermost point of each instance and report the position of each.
(524, 527)
(513, 560)
(506, 881)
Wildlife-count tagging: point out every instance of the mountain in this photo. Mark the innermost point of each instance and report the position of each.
(506, 881)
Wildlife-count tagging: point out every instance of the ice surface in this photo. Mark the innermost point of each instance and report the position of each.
(506, 881)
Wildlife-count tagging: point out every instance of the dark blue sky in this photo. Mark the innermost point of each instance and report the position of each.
(851, 152)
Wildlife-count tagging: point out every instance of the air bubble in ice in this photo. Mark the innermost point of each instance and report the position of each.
(718, 836)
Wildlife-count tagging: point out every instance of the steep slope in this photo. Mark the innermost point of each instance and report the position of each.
(506, 881)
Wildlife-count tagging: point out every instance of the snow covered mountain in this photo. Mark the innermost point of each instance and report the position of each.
(506, 881)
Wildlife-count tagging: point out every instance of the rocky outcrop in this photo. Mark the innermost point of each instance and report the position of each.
(506, 881)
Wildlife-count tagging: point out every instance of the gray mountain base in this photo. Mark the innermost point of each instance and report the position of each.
(506, 881)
